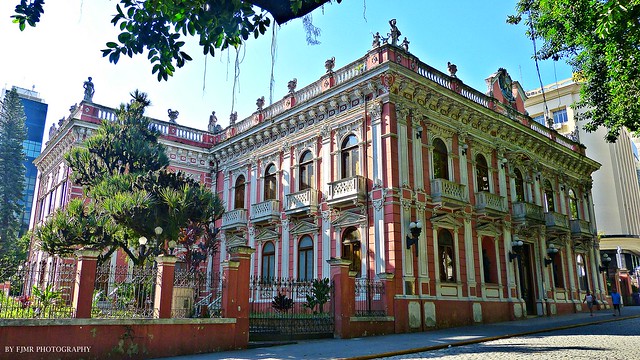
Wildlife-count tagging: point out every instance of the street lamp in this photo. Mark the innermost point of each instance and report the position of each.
(605, 262)
(516, 245)
(416, 229)
(551, 251)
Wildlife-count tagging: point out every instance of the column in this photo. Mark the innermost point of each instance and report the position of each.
(344, 296)
(236, 293)
(85, 282)
(164, 286)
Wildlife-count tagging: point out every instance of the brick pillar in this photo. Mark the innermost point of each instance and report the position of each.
(343, 296)
(85, 282)
(235, 292)
(389, 292)
(164, 286)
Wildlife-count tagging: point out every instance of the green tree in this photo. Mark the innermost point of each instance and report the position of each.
(129, 192)
(12, 134)
(160, 26)
(599, 39)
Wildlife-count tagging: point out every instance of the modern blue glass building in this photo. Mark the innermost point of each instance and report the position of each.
(36, 112)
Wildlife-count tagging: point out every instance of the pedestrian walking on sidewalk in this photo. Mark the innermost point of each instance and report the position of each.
(617, 301)
(589, 300)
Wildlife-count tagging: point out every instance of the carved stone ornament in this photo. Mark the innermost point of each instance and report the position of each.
(173, 115)
(330, 64)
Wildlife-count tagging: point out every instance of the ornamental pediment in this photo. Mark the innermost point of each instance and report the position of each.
(489, 228)
(448, 221)
(266, 234)
(348, 218)
(235, 240)
(304, 227)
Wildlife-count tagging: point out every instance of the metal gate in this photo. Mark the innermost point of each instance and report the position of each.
(288, 309)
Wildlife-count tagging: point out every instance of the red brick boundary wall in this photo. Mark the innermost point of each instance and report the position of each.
(115, 339)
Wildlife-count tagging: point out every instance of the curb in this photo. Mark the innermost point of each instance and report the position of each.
(485, 339)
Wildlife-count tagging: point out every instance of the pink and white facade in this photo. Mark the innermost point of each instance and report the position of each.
(342, 168)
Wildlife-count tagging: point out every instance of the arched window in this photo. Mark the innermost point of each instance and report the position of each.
(268, 261)
(305, 258)
(305, 180)
(446, 252)
(573, 205)
(350, 157)
(351, 249)
(270, 186)
(482, 173)
(238, 202)
(519, 181)
(548, 197)
(582, 273)
(440, 160)
(489, 263)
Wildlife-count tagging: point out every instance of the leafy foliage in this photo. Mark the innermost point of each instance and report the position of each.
(282, 303)
(600, 41)
(129, 191)
(160, 26)
(12, 135)
(319, 295)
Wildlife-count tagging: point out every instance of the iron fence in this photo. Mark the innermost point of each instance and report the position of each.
(124, 291)
(196, 294)
(288, 308)
(37, 290)
(369, 298)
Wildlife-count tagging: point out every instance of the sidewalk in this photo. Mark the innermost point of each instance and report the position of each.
(398, 344)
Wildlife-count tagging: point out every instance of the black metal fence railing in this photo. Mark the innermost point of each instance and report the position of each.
(37, 290)
(288, 308)
(196, 294)
(124, 291)
(369, 298)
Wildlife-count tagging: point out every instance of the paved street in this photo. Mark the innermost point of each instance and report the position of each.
(602, 336)
(610, 340)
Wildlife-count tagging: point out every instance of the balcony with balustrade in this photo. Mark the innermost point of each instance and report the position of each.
(556, 222)
(490, 205)
(581, 228)
(265, 212)
(302, 202)
(527, 213)
(346, 191)
(234, 219)
(448, 193)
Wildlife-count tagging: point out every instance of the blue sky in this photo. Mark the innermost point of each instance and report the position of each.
(64, 49)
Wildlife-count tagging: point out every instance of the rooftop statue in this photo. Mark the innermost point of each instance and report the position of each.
(376, 40)
(213, 120)
(395, 33)
(260, 103)
(173, 115)
(453, 69)
(292, 85)
(233, 118)
(89, 90)
(405, 44)
(329, 64)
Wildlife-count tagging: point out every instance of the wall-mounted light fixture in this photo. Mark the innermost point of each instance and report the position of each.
(606, 260)
(503, 162)
(551, 251)
(416, 229)
(419, 132)
(538, 174)
(516, 247)
(465, 147)
(562, 188)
